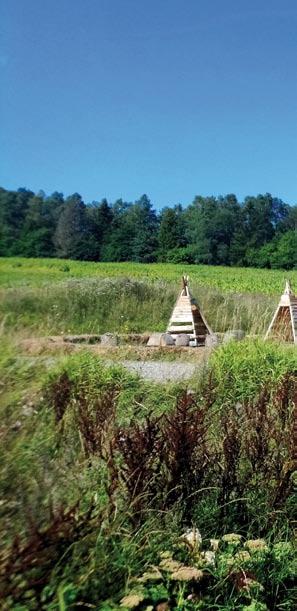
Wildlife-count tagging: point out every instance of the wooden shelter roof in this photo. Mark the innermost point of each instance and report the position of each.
(187, 317)
(284, 322)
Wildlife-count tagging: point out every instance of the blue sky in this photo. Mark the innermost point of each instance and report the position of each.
(115, 98)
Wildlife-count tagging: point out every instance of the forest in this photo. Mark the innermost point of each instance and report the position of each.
(258, 232)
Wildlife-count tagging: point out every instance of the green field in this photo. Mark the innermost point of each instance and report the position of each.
(37, 272)
(52, 296)
(102, 472)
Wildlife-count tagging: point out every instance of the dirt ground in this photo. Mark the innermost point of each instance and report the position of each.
(152, 363)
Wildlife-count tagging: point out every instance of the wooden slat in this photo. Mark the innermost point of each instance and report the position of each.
(293, 309)
(186, 317)
(183, 329)
(191, 334)
(182, 301)
(284, 322)
(183, 310)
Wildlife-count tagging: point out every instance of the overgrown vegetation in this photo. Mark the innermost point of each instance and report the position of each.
(102, 473)
(123, 306)
(106, 479)
(132, 299)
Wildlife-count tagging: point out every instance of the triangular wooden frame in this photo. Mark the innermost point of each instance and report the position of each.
(284, 322)
(187, 317)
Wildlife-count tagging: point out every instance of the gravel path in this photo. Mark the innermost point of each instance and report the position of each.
(161, 371)
(156, 371)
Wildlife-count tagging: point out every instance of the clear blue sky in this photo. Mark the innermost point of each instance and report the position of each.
(115, 98)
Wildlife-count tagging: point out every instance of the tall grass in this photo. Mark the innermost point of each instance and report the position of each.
(100, 471)
(124, 305)
(105, 470)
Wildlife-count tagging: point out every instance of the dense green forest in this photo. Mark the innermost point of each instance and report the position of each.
(259, 232)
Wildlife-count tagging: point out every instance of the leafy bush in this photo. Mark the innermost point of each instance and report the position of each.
(104, 472)
(225, 573)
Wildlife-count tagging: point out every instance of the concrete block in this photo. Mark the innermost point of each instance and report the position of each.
(167, 340)
(109, 339)
(154, 340)
(182, 340)
(211, 341)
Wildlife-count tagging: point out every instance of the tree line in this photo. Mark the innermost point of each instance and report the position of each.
(261, 231)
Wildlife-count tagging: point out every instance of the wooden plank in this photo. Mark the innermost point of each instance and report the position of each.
(183, 310)
(183, 329)
(182, 301)
(282, 326)
(293, 310)
(186, 316)
(284, 322)
(192, 335)
(177, 315)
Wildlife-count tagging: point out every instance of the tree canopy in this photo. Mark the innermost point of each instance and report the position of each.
(261, 231)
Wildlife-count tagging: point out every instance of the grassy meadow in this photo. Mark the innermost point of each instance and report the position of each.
(119, 493)
(51, 296)
(39, 272)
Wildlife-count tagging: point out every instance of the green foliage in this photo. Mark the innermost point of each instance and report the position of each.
(73, 237)
(119, 239)
(13, 208)
(89, 376)
(171, 235)
(122, 305)
(132, 234)
(144, 222)
(54, 296)
(280, 252)
(181, 255)
(100, 218)
(200, 576)
(92, 554)
(260, 232)
(285, 254)
(101, 472)
(39, 272)
(242, 369)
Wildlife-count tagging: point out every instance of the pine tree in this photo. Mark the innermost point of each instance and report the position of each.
(100, 219)
(36, 239)
(145, 227)
(171, 234)
(73, 237)
(117, 244)
(13, 208)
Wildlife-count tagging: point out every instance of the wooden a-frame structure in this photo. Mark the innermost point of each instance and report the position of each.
(284, 322)
(187, 317)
